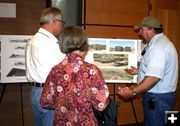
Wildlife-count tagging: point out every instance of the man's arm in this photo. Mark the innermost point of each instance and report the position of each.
(147, 83)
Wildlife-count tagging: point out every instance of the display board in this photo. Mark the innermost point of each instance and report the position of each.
(112, 56)
(12, 59)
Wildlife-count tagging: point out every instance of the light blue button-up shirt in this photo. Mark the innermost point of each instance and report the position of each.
(161, 61)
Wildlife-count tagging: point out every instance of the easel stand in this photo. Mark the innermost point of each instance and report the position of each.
(132, 104)
(3, 90)
(133, 108)
(134, 112)
(21, 99)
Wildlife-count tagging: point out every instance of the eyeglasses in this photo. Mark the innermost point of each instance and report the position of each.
(63, 22)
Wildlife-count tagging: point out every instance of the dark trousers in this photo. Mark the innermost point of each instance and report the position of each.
(155, 106)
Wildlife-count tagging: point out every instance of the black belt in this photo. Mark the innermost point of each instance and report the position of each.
(34, 84)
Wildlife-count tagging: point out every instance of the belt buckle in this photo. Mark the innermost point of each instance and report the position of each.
(41, 85)
(35, 84)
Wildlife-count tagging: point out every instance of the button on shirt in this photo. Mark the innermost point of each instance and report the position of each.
(161, 61)
(42, 54)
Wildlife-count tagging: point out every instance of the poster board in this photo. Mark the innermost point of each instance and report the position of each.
(12, 58)
(112, 56)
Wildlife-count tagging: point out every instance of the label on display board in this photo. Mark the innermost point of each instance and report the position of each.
(8, 10)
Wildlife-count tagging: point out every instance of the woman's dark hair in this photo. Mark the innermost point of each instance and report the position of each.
(73, 38)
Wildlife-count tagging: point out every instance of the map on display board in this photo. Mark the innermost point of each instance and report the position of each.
(110, 55)
(12, 59)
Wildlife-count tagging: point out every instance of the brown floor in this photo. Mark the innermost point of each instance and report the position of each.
(15, 111)
(140, 124)
(11, 107)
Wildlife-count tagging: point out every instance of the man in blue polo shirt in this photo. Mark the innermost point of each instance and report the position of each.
(157, 73)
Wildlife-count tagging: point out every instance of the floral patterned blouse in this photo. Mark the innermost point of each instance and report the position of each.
(72, 88)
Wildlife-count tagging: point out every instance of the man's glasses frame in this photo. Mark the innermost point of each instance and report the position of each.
(63, 22)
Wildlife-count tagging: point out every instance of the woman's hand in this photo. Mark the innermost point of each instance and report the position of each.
(125, 92)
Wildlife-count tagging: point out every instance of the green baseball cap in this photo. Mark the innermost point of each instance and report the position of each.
(148, 22)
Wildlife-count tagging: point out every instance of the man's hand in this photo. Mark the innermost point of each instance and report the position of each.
(133, 70)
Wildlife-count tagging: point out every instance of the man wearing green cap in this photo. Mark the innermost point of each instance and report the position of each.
(157, 73)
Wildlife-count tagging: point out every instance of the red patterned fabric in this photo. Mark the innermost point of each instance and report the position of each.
(71, 88)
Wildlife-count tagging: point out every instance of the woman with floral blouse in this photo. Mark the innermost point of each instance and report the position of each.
(73, 86)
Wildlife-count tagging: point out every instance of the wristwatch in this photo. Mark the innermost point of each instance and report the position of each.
(134, 93)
